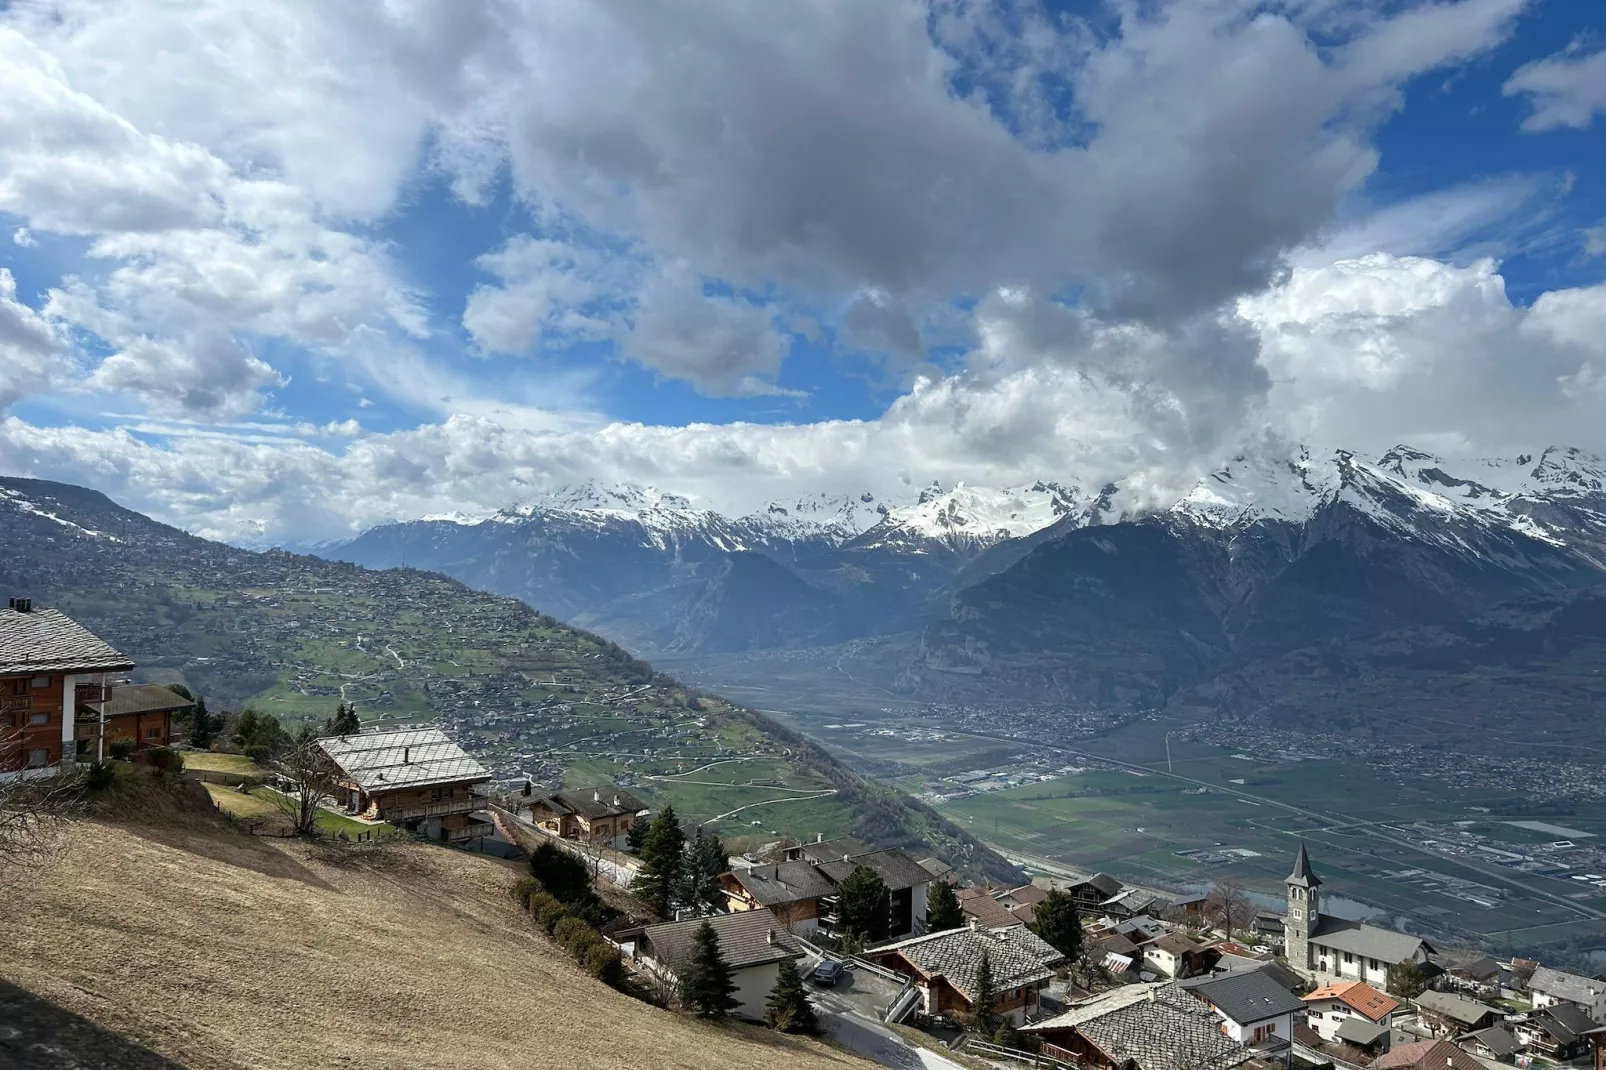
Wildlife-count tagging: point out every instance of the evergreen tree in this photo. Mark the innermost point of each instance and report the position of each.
(983, 1008)
(636, 835)
(1055, 920)
(865, 906)
(705, 982)
(788, 1008)
(662, 856)
(344, 722)
(704, 860)
(201, 727)
(258, 735)
(561, 874)
(942, 908)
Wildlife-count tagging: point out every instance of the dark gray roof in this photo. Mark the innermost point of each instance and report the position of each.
(404, 758)
(1572, 1019)
(1567, 986)
(1478, 967)
(957, 953)
(1247, 996)
(1360, 1031)
(746, 938)
(1368, 941)
(128, 699)
(1159, 1027)
(896, 869)
(1498, 1039)
(1102, 883)
(1454, 1007)
(1303, 876)
(784, 882)
(591, 803)
(828, 850)
(49, 641)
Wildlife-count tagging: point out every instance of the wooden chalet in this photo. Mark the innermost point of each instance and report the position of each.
(142, 713)
(1597, 1040)
(50, 666)
(945, 967)
(1141, 1027)
(416, 778)
(1092, 892)
(802, 892)
(601, 814)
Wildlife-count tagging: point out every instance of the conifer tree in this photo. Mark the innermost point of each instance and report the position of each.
(662, 856)
(1055, 920)
(942, 908)
(705, 981)
(788, 1008)
(982, 1008)
(704, 860)
(865, 906)
(344, 722)
(636, 836)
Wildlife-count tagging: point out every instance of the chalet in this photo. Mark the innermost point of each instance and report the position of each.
(1255, 1010)
(1426, 1055)
(1320, 944)
(939, 870)
(1021, 902)
(1132, 903)
(1118, 955)
(979, 906)
(416, 778)
(1559, 1032)
(596, 815)
(1448, 1014)
(1271, 967)
(1093, 892)
(905, 879)
(48, 663)
(1331, 1006)
(753, 943)
(945, 966)
(1141, 1027)
(140, 713)
(794, 891)
(1496, 1043)
(823, 850)
(1175, 955)
(1551, 987)
(1597, 1040)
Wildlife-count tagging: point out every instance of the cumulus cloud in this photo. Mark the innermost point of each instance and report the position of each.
(30, 353)
(1566, 89)
(723, 345)
(211, 375)
(22, 239)
(549, 290)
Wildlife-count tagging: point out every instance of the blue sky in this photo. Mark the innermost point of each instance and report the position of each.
(324, 267)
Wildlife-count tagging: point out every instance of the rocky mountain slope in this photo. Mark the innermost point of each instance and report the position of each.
(295, 635)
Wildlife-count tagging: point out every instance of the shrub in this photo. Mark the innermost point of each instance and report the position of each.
(165, 761)
(122, 749)
(523, 889)
(570, 929)
(99, 776)
(603, 962)
(547, 911)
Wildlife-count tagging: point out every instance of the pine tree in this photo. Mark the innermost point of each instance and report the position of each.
(704, 860)
(942, 908)
(636, 836)
(865, 906)
(201, 728)
(1055, 920)
(705, 982)
(344, 722)
(662, 856)
(788, 1008)
(982, 1008)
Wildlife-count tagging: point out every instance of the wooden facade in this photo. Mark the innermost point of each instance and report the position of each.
(31, 715)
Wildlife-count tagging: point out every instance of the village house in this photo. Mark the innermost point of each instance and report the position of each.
(1446, 1014)
(980, 907)
(1597, 1040)
(1092, 892)
(1132, 903)
(906, 880)
(1141, 1027)
(822, 850)
(945, 967)
(1559, 1032)
(1116, 953)
(600, 815)
(1271, 967)
(58, 703)
(1319, 944)
(1175, 955)
(1496, 1043)
(1475, 973)
(416, 778)
(753, 944)
(1426, 1055)
(793, 891)
(1255, 1010)
(1021, 902)
(1331, 1007)
(1550, 987)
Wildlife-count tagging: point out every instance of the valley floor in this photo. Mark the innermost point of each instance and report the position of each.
(221, 951)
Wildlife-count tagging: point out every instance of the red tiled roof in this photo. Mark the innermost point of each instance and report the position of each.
(1426, 1055)
(1359, 995)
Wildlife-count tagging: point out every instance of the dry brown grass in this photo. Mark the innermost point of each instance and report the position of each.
(223, 951)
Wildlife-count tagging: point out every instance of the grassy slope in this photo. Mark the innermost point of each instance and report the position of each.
(223, 951)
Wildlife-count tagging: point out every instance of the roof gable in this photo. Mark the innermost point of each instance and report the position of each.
(746, 938)
(49, 641)
(404, 758)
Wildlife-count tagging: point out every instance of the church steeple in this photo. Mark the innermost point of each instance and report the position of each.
(1304, 911)
(1303, 876)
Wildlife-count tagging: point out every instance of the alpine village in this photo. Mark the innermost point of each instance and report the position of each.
(872, 953)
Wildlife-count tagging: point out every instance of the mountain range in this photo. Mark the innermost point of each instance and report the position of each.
(1050, 590)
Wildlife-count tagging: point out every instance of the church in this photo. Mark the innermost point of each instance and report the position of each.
(1328, 947)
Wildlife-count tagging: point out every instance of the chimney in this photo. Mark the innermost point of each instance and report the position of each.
(974, 923)
(21, 605)
(616, 800)
(596, 796)
(407, 755)
(819, 837)
(769, 936)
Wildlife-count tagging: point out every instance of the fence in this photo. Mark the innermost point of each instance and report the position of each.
(1030, 1058)
(530, 836)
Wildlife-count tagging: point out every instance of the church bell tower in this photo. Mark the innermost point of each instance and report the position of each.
(1304, 912)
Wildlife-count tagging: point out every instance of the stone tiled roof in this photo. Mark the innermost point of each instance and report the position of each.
(49, 641)
(1427, 1055)
(591, 803)
(1368, 941)
(746, 938)
(780, 883)
(129, 699)
(957, 954)
(1567, 986)
(988, 911)
(1157, 1026)
(406, 758)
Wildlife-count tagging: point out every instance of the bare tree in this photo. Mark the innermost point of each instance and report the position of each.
(1227, 907)
(312, 778)
(31, 813)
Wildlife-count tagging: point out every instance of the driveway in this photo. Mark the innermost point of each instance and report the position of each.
(850, 1014)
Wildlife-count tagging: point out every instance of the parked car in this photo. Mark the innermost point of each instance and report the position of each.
(827, 973)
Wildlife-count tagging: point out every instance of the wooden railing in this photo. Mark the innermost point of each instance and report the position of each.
(1030, 1058)
(462, 804)
(16, 703)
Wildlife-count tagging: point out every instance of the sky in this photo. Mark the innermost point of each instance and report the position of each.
(279, 272)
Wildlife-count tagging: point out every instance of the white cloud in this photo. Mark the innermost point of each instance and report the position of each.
(1566, 89)
(722, 345)
(546, 286)
(30, 353)
(22, 239)
(210, 375)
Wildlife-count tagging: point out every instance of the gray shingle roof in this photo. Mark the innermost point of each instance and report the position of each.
(1497, 1038)
(784, 882)
(1368, 941)
(49, 641)
(127, 699)
(406, 758)
(593, 802)
(1158, 1026)
(1567, 986)
(896, 869)
(1248, 996)
(829, 850)
(1454, 1007)
(956, 954)
(1360, 1031)
(1571, 1019)
(746, 938)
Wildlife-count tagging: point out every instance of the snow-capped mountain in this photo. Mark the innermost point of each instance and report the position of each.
(970, 519)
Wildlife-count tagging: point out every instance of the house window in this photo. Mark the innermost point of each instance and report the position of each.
(1349, 959)
(1372, 963)
(38, 758)
(154, 732)
(41, 681)
(42, 717)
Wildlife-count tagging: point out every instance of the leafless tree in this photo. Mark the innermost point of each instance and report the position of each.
(1228, 908)
(311, 776)
(31, 813)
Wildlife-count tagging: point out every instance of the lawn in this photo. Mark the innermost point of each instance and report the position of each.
(264, 803)
(213, 762)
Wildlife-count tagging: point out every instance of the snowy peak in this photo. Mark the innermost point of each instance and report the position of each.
(835, 518)
(1254, 487)
(618, 499)
(970, 518)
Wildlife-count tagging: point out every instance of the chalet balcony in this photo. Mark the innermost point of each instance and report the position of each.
(463, 804)
(16, 703)
(472, 831)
